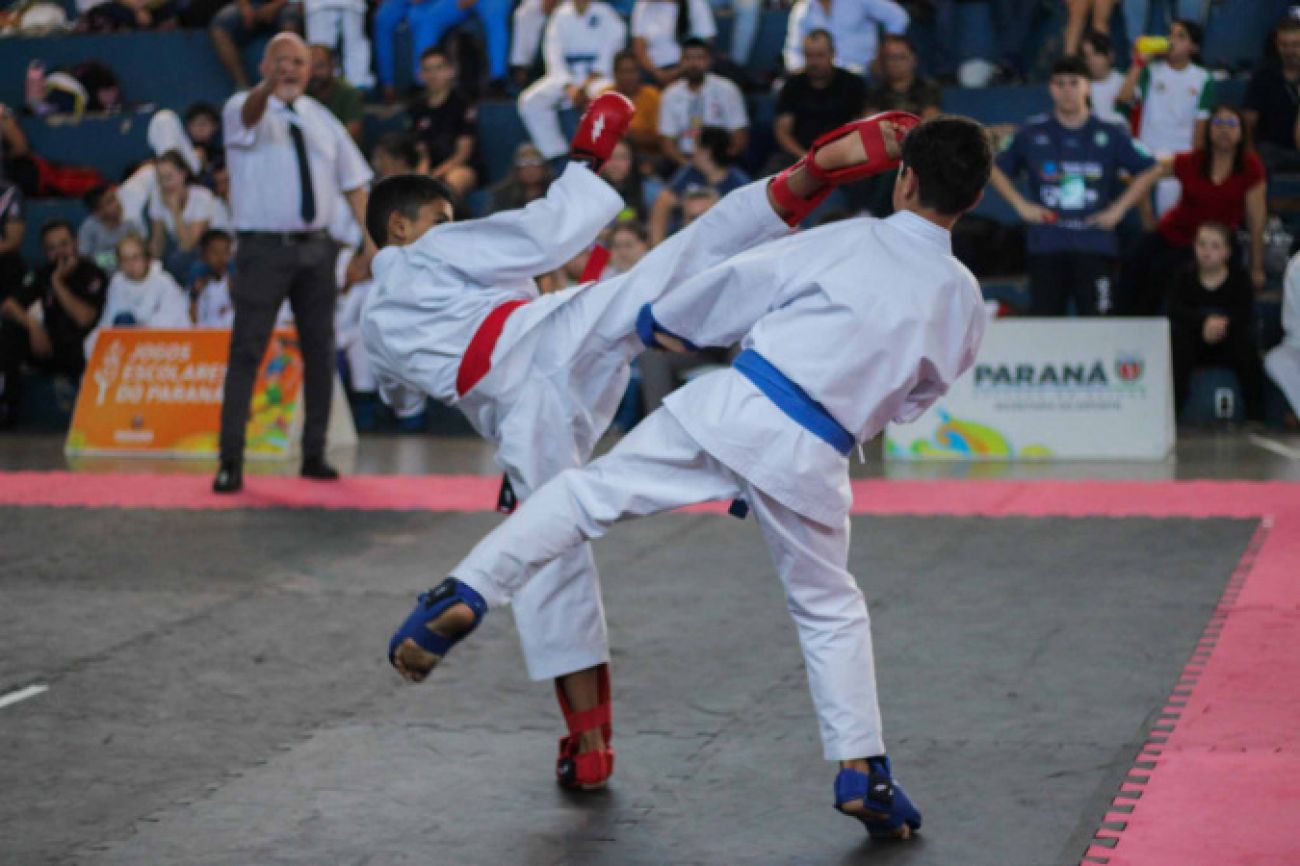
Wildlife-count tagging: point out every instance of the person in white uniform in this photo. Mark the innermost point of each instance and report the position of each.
(455, 314)
(1283, 361)
(581, 40)
(140, 295)
(775, 430)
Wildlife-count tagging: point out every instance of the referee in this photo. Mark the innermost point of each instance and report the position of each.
(289, 160)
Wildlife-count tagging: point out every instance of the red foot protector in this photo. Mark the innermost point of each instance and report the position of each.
(588, 769)
(601, 126)
(870, 130)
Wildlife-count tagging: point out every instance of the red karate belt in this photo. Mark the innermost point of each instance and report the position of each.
(477, 362)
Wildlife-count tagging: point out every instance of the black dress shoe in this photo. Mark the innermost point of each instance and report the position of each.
(230, 477)
(317, 468)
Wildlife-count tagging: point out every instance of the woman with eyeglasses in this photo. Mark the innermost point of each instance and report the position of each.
(1223, 181)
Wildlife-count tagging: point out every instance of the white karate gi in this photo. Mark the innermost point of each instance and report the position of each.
(874, 319)
(330, 21)
(560, 366)
(347, 324)
(1283, 361)
(526, 34)
(154, 302)
(574, 47)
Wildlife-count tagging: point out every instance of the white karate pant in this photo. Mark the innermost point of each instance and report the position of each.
(658, 467)
(326, 26)
(539, 109)
(1283, 366)
(526, 36)
(556, 387)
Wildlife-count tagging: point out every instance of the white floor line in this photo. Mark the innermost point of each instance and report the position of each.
(21, 695)
(1275, 446)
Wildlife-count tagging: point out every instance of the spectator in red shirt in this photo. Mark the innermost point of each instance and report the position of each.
(1223, 181)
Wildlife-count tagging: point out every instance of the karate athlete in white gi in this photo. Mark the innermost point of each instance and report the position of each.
(845, 328)
(455, 314)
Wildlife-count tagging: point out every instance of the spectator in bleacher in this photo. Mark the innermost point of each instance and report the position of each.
(210, 303)
(13, 227)
(1172, 97)
(1212, 319)
(712, 167)
(429, 21)
(179, 213)
(582, 38)
(852, 23)
(899, 87)
(620, 172)
(659, 27)
(644, 129)
(820, 98)
(326, 87)
(1091, 16)
(1283, 361)
(291, 165)
(203, 127)
(109, 16)
(67, 294)
(445, 123)
(141, 294)
(529, 178)
(394, 153)
(1272, 103)
(242, 21)
(342, 24)
(99, 234)
(529, 22)
(700, 99)
(1105, 79)
(1223, 181)
(1073, 162)
(628, 244)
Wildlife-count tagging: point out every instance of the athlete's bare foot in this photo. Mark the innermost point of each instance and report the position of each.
(413, 661)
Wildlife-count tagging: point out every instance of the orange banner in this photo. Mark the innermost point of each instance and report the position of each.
(158, 392)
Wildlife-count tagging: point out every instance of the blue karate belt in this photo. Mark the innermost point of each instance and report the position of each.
(794, 401)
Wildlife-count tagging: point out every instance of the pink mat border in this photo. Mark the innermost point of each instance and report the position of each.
(1214, 783)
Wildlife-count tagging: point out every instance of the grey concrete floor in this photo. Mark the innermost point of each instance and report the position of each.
(218, 693)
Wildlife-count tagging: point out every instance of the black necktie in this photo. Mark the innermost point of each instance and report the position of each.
(308, 209)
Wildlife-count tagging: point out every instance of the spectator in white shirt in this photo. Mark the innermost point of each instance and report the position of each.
(658, 29)
(179, 209)
(852, 23)
(581, 40)
(141, 294)
(699, 99)
(1099, 55)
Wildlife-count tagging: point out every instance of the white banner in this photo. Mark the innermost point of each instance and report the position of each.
(1053, 388)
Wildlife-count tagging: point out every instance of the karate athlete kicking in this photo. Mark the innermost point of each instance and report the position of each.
(455, 314)
(845, 327)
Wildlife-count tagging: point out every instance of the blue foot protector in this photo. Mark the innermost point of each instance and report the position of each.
(881, 794)
(428, 607)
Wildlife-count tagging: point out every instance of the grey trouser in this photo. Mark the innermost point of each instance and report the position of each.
(269, 268)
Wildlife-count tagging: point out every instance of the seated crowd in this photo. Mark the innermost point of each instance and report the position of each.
(1142, 193)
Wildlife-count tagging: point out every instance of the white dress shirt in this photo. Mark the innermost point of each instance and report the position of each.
(265, 190)
(655, 21)
(874, 319)
(852, 24)
(578, 45)
(684, 112)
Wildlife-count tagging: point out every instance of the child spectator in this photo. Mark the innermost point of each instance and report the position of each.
(1099, 55)
(1222, 181)
(210, 285)
(342, 22)
(699, 98)
(712, 167)
(99, 234)
(141, 294)
(445, 123)
(1211, 316)
(1171, 101)
(179, 212)
(581, 40)
(659, 27)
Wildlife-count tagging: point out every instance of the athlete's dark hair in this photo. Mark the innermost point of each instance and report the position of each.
(951, 157)
(405, 194)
